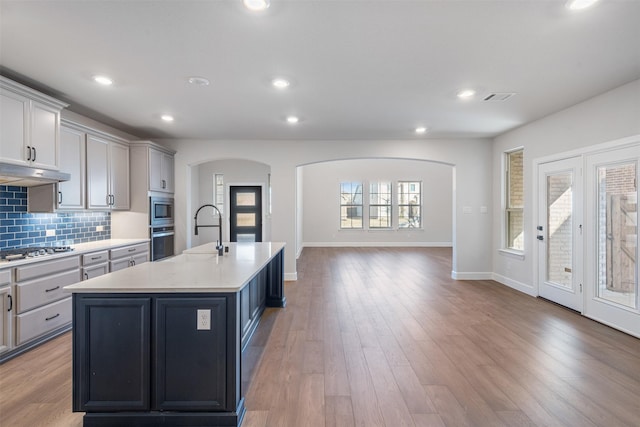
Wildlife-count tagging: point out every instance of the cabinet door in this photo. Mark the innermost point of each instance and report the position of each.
(191, 357)
(119, 176)
(119, 264)
(140, 258)
(155, 170)
(97, 173)
(111, 360)
(14, 110)
(167, 172)
(72, 161)
(95, 271)
(45, 122)
(6, 305)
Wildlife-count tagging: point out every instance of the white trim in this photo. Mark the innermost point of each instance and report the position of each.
(511, 253)
(612, 325)
(290, 277)
(471, 275)
(514, 284)
(377, 244)
(299, 252)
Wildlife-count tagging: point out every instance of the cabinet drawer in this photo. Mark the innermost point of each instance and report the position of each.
(32, 271)
(95, 258)
(44, 290)
(129, 250)
(5, 277)
(95, 271)
(42, 320)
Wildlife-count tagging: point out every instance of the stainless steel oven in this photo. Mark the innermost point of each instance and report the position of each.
(161, 242)
(161, 211)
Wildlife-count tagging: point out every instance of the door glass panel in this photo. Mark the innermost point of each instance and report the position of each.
(617, 234)
(246, 238)
(560, 229)
(246, 220)
(245, 199)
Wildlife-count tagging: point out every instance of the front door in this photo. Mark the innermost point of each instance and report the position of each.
(245, 213)
(559, 232)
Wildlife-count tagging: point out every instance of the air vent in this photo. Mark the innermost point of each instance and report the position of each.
(499, 96)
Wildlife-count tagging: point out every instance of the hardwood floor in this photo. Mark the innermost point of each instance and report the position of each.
(384, 337)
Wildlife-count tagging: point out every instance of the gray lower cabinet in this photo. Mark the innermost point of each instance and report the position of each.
(153, 352)
(41, 304)
(128, 256)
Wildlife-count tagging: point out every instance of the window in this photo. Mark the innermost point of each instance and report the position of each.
(218, 191)
(409, 204)
(350, 205)
(514, 200)
(380, 205)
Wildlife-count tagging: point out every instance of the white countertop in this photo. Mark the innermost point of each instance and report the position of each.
(78, 249)
(199, 269)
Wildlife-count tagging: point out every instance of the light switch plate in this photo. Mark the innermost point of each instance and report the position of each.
(204, 320)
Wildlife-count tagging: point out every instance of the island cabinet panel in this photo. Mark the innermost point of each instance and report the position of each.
(252, 304)
(275, 279)
(191, 352)
(112, 348)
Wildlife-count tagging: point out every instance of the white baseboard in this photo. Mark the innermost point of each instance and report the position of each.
(456, 275)
(290, 277)
(378, 244)
(514, 284)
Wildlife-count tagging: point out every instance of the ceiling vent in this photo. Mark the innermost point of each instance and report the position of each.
(498, 96)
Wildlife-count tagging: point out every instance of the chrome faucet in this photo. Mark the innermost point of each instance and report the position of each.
(219, 245)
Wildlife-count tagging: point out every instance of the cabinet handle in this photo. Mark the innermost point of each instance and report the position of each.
(34, 153)
(86, 276)
(59, 197)
(132, 250)
(52, 289)
(133, 262)
(52, 317)
(93, 258)
(164, 184)
(10, 302)
(28, 153)
(113, 200)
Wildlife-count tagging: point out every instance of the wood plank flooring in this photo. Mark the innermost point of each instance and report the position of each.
(383, 337)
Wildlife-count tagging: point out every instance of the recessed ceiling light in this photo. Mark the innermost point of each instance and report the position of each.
(292, 120)
(256, 4)
(167, 117)
(198, 81)
(420, 130)
(103, 80)
(280, 83)
(466, 93)
(579, 4)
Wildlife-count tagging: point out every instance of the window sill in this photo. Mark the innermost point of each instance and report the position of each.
(512, 253)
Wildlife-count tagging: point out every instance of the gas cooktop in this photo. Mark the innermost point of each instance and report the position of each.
(32, 252)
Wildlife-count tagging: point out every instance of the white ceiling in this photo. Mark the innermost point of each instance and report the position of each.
(362, 69)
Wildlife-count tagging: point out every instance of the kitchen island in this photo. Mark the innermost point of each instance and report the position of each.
(161, 343)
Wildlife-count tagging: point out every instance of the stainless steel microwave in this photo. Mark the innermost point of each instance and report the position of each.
(161, 211)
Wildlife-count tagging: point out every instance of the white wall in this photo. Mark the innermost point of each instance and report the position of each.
(321, 224)
(607, 117)
(236, 172)
(472, 159)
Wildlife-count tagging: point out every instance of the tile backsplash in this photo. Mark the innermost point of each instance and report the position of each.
(19, 228)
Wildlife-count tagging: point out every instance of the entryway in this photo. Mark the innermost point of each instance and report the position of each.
(245, 209)
(559, 232)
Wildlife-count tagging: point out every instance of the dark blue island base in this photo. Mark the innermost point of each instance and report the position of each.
(167, 359)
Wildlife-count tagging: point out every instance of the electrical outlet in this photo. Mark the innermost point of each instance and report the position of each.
(204, 320)
(51, 233)
(100, 228)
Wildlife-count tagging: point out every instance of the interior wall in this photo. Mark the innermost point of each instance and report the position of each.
(473, 170)
(236, 172)
(321, 225)
(607, 117)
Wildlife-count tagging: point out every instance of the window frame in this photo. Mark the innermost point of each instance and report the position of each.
(352, 204)
(409, 206)
(507, 208)
(381, 206)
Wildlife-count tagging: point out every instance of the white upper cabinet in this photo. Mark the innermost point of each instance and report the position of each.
(160, 171)
(72, 161)
(107, 174)
(29, 126)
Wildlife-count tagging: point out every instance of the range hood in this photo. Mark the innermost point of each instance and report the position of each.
(24, 176)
